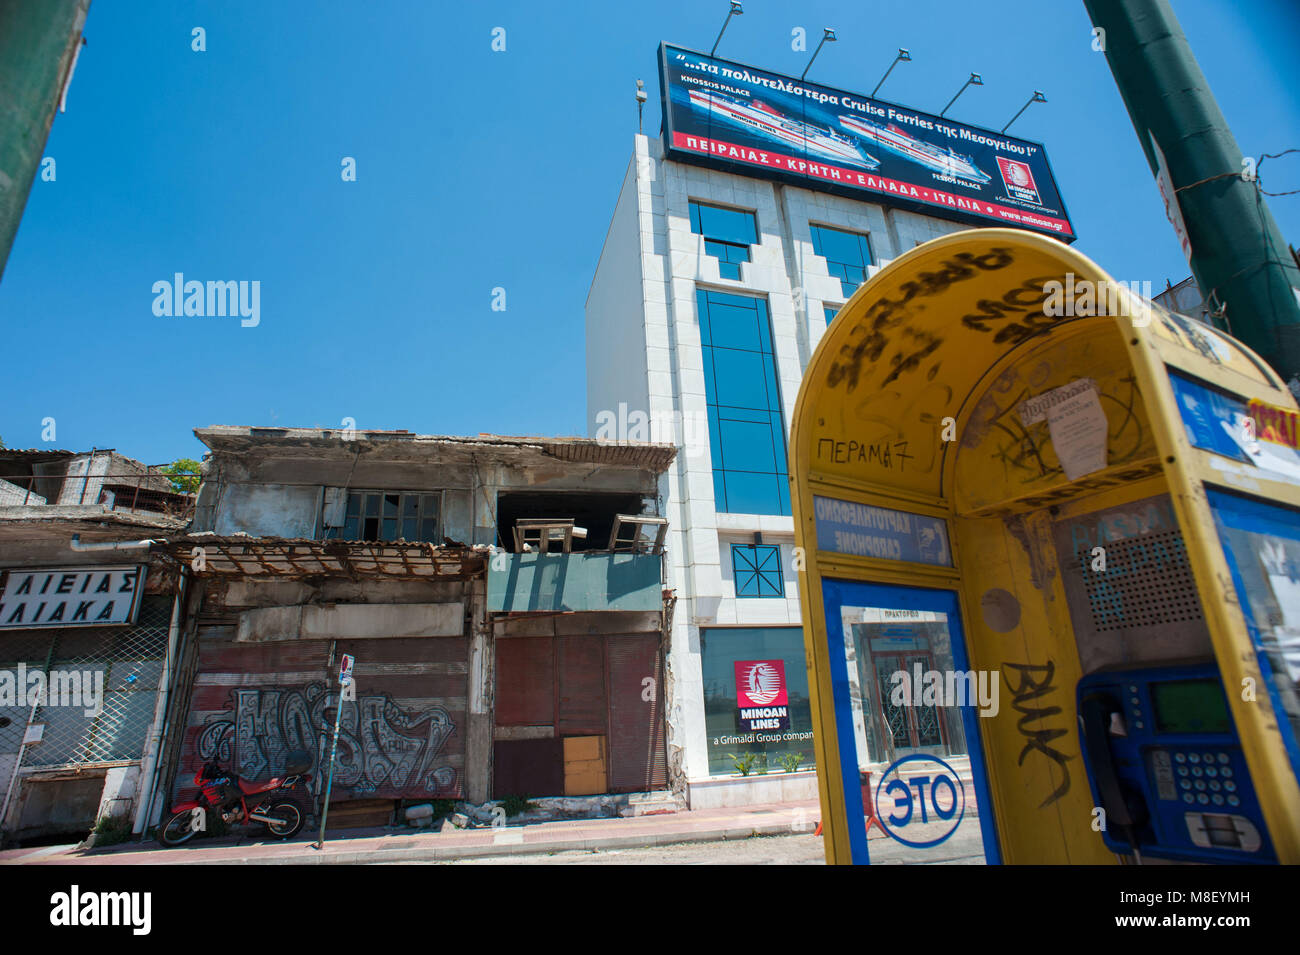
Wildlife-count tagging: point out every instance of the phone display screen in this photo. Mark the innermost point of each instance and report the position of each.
(1190, 706)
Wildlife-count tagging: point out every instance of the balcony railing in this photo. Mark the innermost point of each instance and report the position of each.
(150, 493)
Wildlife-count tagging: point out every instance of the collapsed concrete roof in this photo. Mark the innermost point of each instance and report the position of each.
(446, 449)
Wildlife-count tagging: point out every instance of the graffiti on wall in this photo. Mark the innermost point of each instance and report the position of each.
(1036, 683)
(383, 748)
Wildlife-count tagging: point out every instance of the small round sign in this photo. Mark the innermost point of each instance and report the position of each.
(930, 792)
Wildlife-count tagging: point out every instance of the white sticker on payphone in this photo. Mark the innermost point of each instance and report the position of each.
(1077, 424)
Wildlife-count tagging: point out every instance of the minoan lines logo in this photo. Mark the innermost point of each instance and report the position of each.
(1019, 180)
(761, 694)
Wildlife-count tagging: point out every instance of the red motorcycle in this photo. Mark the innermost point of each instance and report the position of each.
(279, 804)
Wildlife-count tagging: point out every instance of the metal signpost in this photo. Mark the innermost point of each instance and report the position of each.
(346, 692)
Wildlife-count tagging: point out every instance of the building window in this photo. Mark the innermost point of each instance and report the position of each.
(728, 234)
(756, 685)
(746, 433)
(831, 311)
(847, 255)
(390, 516)
(757, 570)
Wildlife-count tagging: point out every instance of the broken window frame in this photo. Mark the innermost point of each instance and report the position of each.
(417, 508)
(544, 535)
(637, 525)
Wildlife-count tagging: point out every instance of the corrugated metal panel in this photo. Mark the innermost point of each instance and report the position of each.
(581, 686)
(403, 737)
(525, 692)
(637, 760)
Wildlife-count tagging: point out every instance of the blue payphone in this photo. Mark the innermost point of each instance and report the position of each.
(1165, 763)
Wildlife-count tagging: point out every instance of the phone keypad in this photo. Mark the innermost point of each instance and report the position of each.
(1194, 776)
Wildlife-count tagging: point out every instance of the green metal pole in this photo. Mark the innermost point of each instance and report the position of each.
(1238, 255)
(38, 42)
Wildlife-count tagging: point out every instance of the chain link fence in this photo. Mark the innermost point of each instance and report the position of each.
(100, 689)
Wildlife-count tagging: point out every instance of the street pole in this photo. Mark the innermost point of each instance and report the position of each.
(1236, 253)
(329, 785)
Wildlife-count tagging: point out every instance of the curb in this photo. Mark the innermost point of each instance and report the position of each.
(453, 853)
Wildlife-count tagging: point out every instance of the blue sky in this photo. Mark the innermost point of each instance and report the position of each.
(478, 170)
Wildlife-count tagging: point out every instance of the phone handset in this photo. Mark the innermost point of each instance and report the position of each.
(1125, 809)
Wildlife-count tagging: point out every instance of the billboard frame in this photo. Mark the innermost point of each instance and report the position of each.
(884, 198)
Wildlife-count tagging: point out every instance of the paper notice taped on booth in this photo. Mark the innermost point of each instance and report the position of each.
(1077, 424)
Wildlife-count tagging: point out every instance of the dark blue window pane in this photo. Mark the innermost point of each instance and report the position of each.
(847, 255)
(739, 378)
(729, 257)
(746, 429)
(725, 225)
(728, 235)
(757, 570)
(754, 493)
(726, 326)
(830, 311)
(747, 446)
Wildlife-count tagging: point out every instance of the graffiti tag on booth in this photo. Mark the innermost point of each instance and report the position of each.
(930, 792)
(761, 696)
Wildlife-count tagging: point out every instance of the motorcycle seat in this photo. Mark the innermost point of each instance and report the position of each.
(251, 788)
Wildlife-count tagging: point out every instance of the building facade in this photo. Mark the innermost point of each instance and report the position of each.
(88, 621)
(711, 293)
(502, 599)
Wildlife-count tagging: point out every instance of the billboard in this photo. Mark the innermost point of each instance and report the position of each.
(753, 122)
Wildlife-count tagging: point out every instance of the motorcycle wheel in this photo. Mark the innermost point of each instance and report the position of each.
(291, 819)
(177, 830)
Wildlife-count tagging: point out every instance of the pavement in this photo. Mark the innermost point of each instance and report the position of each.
(368, 846)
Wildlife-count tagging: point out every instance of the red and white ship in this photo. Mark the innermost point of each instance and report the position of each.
(934, 157)
(764, 119)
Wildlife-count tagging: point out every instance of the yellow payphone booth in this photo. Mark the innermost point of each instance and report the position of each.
(1052, 539)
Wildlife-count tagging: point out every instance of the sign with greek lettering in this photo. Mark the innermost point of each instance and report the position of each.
(864, 531)
(754, 122)
(71, 597)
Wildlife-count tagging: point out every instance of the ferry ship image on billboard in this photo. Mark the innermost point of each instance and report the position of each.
(893, 139)
(763, 119)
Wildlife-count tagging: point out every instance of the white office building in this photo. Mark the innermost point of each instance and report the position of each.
(711, 293)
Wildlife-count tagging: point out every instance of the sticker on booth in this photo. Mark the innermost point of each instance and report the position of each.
(1076, 422)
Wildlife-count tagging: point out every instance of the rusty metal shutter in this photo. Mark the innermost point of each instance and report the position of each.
(582, 709)
(525, 688)
(402, 738)
(409, 723)
(637, 760)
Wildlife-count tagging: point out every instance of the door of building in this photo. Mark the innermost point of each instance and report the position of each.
(909, 725)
